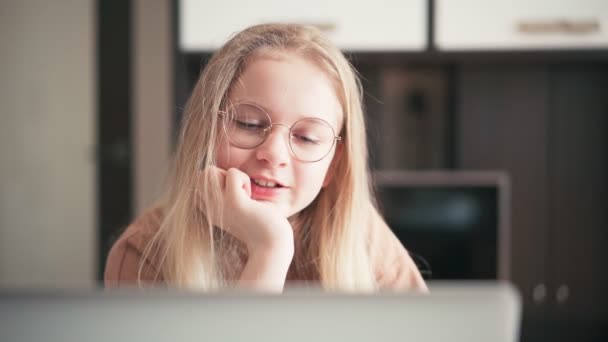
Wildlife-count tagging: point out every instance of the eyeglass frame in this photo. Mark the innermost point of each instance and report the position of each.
(267, 130)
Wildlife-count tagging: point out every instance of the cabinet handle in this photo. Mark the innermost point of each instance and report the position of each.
(558, 26)
(562, 293)
(539, 293)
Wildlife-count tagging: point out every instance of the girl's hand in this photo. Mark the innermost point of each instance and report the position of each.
(255, 223)
(267, 235)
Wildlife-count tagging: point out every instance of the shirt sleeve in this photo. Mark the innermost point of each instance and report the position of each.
(393, 265)
(125, 257)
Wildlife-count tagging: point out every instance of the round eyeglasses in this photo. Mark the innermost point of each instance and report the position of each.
(247, 126)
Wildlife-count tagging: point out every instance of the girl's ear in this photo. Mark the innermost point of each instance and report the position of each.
(334, 165)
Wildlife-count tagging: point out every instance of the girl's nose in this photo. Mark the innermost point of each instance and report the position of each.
(275, 149)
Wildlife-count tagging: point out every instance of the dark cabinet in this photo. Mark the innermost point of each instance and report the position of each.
(547, 126)
(578, 200)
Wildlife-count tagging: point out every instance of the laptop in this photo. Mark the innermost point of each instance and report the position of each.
(452, 312)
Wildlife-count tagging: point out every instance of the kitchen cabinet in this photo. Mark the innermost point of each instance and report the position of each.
(386, 25)
(520, 25)
(547, 126)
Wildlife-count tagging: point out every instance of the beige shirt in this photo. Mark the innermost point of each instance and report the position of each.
(393, 266)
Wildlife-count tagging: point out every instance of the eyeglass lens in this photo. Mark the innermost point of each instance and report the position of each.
(247, 126)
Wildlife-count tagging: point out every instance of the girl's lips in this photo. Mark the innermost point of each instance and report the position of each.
(260, 192)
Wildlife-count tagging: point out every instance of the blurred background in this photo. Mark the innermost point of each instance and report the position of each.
(487, 125)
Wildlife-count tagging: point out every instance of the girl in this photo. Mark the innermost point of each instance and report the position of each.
(269, 183)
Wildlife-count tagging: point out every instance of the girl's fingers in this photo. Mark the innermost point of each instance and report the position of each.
(247, 187)
(238, 185)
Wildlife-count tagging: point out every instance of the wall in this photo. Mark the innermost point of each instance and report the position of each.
(47, 139)
(153, 70)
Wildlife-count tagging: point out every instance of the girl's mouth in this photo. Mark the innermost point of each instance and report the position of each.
(266, 183)
(265, 190)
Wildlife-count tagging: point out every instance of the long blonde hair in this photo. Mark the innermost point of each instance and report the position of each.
(332, 235)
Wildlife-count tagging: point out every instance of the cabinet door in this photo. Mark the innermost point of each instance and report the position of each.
(413, 121)
(501, 119)
(578, 197)
(361, 26)
(521, 24)
(49, 180)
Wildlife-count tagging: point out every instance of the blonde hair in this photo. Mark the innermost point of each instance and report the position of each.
(332, 235)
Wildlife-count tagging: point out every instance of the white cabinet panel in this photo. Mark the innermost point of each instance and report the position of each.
(382, 25)
(521, 24)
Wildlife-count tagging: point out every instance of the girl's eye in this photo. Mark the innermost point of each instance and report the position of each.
(307, 139)
(249, 125)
